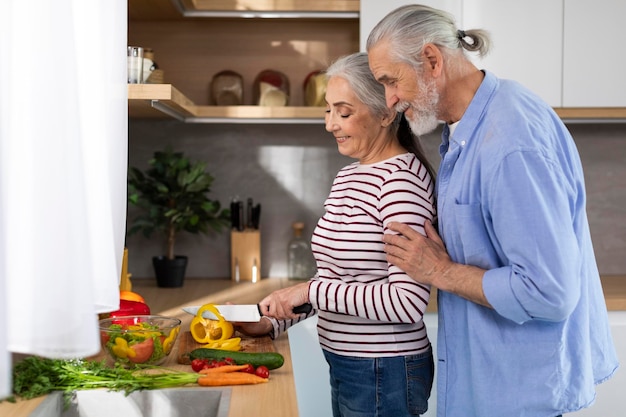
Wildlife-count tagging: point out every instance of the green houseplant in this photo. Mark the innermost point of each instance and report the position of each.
(173, 197)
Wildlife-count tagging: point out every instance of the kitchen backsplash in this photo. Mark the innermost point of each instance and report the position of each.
(289, 169)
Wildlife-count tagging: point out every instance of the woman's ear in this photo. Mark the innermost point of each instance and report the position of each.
(389, 118)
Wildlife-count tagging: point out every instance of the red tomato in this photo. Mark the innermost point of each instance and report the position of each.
(248, 369)
(198, 364)
(143, 350)
(262, 371)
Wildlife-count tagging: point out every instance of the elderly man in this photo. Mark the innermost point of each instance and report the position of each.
(523, 323)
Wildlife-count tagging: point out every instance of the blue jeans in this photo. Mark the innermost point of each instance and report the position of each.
(380, 387)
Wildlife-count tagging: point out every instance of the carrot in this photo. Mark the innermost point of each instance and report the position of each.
(223, 369)
(232, 378)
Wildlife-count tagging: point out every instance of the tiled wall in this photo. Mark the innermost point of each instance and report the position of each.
(289, 170)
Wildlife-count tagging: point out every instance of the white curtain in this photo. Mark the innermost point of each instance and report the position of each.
(63, 159)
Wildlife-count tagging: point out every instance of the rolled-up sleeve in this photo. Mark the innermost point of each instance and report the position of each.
(530, 204)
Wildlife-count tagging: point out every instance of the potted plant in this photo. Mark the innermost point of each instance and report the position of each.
(173, 195)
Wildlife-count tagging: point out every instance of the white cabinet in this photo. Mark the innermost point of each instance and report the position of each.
(568, 52)
(372, 12)
(594, 54)
(527, 39)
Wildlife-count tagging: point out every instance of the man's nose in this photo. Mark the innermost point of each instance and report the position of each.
(391, 98)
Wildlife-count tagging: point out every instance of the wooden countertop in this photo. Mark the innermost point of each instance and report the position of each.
(278, 397)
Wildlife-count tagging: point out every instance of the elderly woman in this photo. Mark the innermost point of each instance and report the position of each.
(369, 312)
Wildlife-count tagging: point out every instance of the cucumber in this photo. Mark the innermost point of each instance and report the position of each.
(272, 360)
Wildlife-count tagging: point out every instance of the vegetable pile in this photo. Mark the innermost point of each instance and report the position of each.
(226, 373)
(271, 360)
(206, 366)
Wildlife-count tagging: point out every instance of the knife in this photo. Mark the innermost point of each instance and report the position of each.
(241, 312)
(249, 223)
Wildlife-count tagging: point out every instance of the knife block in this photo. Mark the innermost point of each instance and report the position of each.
(245, 255)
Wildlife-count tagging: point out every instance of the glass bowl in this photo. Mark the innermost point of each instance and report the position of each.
(139, 340)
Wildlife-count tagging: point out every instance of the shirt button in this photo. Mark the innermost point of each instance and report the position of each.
(462, 143)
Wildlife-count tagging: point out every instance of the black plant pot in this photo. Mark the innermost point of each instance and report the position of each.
(170, 273)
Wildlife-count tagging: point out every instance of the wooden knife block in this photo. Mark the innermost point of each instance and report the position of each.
(245, 255)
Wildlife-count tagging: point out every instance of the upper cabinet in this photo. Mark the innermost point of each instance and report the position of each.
(372, 11)
(527, 37)
(193, 40)
(593, 54)
(562, 50)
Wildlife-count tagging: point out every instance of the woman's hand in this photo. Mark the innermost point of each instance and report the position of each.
(280, 303)
(254, 329)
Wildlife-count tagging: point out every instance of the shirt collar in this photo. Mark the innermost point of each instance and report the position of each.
(464, 129)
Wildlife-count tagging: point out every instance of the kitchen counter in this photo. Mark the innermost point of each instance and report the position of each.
(278, 397)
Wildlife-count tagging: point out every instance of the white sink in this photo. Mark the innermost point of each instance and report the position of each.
(174, 402)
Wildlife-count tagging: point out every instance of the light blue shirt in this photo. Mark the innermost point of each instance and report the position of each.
(511, 200)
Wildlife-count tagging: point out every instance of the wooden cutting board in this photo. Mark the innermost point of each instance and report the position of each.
(248, 344)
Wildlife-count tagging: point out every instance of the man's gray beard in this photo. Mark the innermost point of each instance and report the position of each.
(423, 123)
(424, 113)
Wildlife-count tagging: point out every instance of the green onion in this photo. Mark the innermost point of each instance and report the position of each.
(35, 376)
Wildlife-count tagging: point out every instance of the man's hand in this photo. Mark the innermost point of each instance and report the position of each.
(423, 258)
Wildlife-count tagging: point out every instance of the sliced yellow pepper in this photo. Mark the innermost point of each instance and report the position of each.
(122, 350)
(169, 340)
(207, 330)
(232, 344)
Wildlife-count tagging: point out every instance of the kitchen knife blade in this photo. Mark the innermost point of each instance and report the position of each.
(240, 312)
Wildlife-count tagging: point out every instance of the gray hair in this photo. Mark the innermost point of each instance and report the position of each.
(409, 28)
(355, 70)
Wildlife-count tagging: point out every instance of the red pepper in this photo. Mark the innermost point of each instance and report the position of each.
(130, 308)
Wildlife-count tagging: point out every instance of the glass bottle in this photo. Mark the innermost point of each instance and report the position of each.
(300, 261)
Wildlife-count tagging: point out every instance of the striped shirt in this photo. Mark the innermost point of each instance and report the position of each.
(366, 307)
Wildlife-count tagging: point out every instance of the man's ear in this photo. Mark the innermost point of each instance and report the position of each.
(433, 59)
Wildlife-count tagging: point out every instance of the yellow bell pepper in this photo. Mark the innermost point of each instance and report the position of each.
(168, 343)
(207, 330)
(232, 344)
(122, 350)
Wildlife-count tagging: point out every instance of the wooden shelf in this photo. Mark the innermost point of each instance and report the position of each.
(608, 114)
(164, 100)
